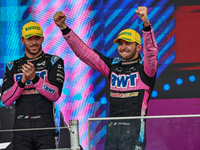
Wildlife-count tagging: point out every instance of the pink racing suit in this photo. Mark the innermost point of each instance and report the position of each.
(131, 83)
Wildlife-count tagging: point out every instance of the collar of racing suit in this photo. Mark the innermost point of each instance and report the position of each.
(33, 59)
(134, 61)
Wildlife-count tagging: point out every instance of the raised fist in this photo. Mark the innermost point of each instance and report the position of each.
(59, 19)
(142, 14)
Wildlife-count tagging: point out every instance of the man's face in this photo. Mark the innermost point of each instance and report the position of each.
(33, 46)
(128, 50)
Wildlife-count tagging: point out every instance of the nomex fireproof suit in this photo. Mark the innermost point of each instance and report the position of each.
(34, 107)
(131, 83)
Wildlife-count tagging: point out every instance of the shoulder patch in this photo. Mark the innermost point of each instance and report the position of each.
(54, 59)
(116, 60)
(10, 65)
(141, 61)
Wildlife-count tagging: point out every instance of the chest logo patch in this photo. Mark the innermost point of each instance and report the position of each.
(42, 74)
(123, 80)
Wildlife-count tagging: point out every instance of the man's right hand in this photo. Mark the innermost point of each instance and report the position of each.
(59, 19)
(24, 78)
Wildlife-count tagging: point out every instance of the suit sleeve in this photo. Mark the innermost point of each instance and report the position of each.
(11, 90)
(52, 89)
(87, 54)
(150, 52)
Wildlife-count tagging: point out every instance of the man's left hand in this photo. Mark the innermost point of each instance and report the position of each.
(142, 14)
(29, 70)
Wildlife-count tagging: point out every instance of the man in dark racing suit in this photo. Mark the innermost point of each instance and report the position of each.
(131, 79)
(33, 82)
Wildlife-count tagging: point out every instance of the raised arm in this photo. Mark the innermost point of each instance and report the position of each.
(149, 44)
(81, 50)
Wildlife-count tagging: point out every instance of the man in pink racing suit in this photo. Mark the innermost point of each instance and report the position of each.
(131, 79)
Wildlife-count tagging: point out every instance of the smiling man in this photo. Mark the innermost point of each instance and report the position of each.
(32, 38)
(128, 44)
(33, 82)
(132, 79)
